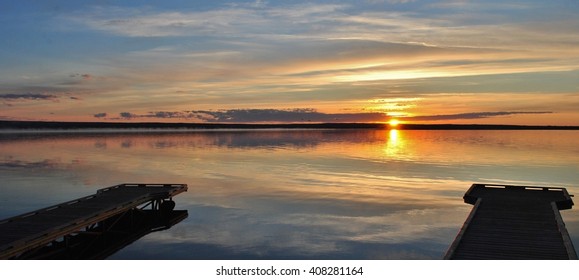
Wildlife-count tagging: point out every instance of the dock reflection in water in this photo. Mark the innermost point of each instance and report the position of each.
(109, 236)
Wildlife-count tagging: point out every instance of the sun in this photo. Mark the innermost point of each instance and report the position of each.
(393, 123)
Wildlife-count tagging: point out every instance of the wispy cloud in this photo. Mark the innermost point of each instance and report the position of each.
(235, 20)
(44, 164)
(307, 37)
(82, 76)
(27, 96)
(469, 116)
(40, 99)
(390, 1)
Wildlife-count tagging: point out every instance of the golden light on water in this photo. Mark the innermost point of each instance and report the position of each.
(394, 145)
(393, 137)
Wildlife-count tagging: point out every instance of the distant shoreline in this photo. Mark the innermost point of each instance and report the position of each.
(45, 125)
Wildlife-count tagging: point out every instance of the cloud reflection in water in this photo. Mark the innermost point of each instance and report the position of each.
(305, 194)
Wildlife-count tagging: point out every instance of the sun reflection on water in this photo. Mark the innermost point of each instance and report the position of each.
(395, 144)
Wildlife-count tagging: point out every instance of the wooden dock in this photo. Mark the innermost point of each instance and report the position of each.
(34, 230)
(514, 222)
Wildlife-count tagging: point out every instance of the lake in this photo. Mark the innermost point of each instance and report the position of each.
(291, 194)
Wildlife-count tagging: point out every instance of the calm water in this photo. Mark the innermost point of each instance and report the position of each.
(292, 194)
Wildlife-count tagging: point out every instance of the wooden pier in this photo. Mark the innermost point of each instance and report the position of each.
(514, 222)
(32, 231)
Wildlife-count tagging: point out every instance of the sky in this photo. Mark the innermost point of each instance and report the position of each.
(420, 61)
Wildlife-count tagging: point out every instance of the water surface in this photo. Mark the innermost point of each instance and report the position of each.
(291, 194)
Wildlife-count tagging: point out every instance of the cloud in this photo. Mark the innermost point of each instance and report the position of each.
(300, 115)
(259, 4)
(166, 114)
(127, 115)
(304, 115)
(390, 1)
(27, 96)
(144, 23)
(14, 99)
(47, 163)
(317, 44)
(233, 21)
(468, 116)
(155, 115)
(313, 39)
(288, 116)
(82, 76)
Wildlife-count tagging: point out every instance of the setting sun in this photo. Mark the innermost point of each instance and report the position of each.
(393, 123)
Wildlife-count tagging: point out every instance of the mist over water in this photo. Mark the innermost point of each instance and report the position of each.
(291, 194)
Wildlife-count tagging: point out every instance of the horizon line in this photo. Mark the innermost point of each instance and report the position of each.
(20, 124)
